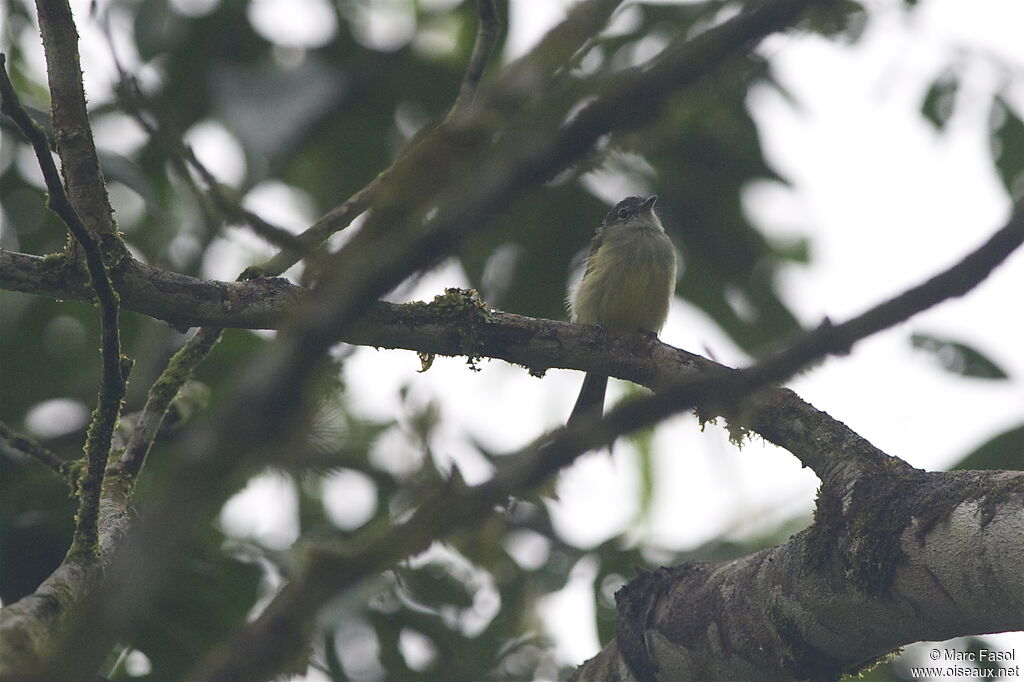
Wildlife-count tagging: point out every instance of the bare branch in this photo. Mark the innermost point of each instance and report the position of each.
(79, 162)
(114, 368)
(876, 571)
(161, 394)
(182, 155)
(520, 80)
(488, 25)
(29, 447)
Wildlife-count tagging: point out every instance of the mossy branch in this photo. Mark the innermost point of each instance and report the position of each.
(115, 368)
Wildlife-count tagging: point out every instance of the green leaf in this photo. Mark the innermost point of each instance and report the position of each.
(1008, 147)
(433, 585)
(332, 658)
(938, 103)
(958, 358)
(207, 598)
(1005, 451)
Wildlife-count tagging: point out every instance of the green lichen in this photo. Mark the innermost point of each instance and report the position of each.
(822, 537)
(465, 313)
(426, 360)
(738, 435)
(73, 472)
(866, 537)
(866, 667)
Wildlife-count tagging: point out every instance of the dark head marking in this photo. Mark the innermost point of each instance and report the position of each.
(629, 207)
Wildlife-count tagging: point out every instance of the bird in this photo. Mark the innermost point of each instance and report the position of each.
(627, 285)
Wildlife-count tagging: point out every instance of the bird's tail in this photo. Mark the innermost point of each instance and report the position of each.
(591, 398)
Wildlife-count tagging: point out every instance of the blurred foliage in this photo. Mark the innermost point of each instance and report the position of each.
(1008, 143)
(325, 120)
(937, 106)
(958, 358)
(1004, 451)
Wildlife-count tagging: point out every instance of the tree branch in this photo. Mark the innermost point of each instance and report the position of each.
(862, 498)
(29, 447)
(86, 188)
(885, 570)
(488, 25)
(182, 157)
(519, 81)
(114, 369)
(158, 401)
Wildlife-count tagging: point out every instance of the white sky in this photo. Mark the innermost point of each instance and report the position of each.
(868, 174)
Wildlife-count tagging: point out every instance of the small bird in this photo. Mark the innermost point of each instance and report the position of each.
(629, 280)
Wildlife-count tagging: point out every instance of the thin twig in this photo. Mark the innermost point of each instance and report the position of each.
(587, 17)
(114, 367)
(30, 447)
(134, 101)
(487, 28)
(161, 394)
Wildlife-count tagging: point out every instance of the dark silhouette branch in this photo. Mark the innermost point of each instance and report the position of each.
(21, 443)
(114, 368)
(182, 157)
(488, 25)
(518, 83)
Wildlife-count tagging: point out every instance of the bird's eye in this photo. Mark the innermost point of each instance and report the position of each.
(622, 213)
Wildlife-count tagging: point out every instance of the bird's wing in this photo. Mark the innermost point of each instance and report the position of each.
(595, 244)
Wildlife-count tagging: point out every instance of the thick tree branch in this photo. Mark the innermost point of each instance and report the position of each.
(86, 188)
(445, 328)
(839, 595)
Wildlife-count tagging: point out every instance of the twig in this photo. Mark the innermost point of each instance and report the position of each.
(520, 79)
(183, 156)
(488, 25)
(31, 448)
(114, 367)
(161, 394)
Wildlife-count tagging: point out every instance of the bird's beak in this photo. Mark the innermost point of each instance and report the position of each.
(649, 203)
